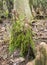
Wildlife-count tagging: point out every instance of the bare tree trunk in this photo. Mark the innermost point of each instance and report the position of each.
(22, 7)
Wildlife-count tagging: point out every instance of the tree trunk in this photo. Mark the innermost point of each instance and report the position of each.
(22, 7)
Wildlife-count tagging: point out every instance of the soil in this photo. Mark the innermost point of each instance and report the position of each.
(5, 26)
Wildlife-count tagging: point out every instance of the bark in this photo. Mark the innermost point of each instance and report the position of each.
(22, 7)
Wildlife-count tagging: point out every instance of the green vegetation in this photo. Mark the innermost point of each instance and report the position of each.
(36, 3)
(1, 5)
(21, 38)
(22, 12)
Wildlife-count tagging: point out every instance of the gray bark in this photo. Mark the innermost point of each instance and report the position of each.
(22, 7)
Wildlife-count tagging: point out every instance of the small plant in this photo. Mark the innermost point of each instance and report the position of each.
(21, 38)
(5, 13)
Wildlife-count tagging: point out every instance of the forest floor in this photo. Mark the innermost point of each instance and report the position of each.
(4, 40)
(5, 58)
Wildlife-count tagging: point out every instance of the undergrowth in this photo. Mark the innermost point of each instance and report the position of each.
(21, 38)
